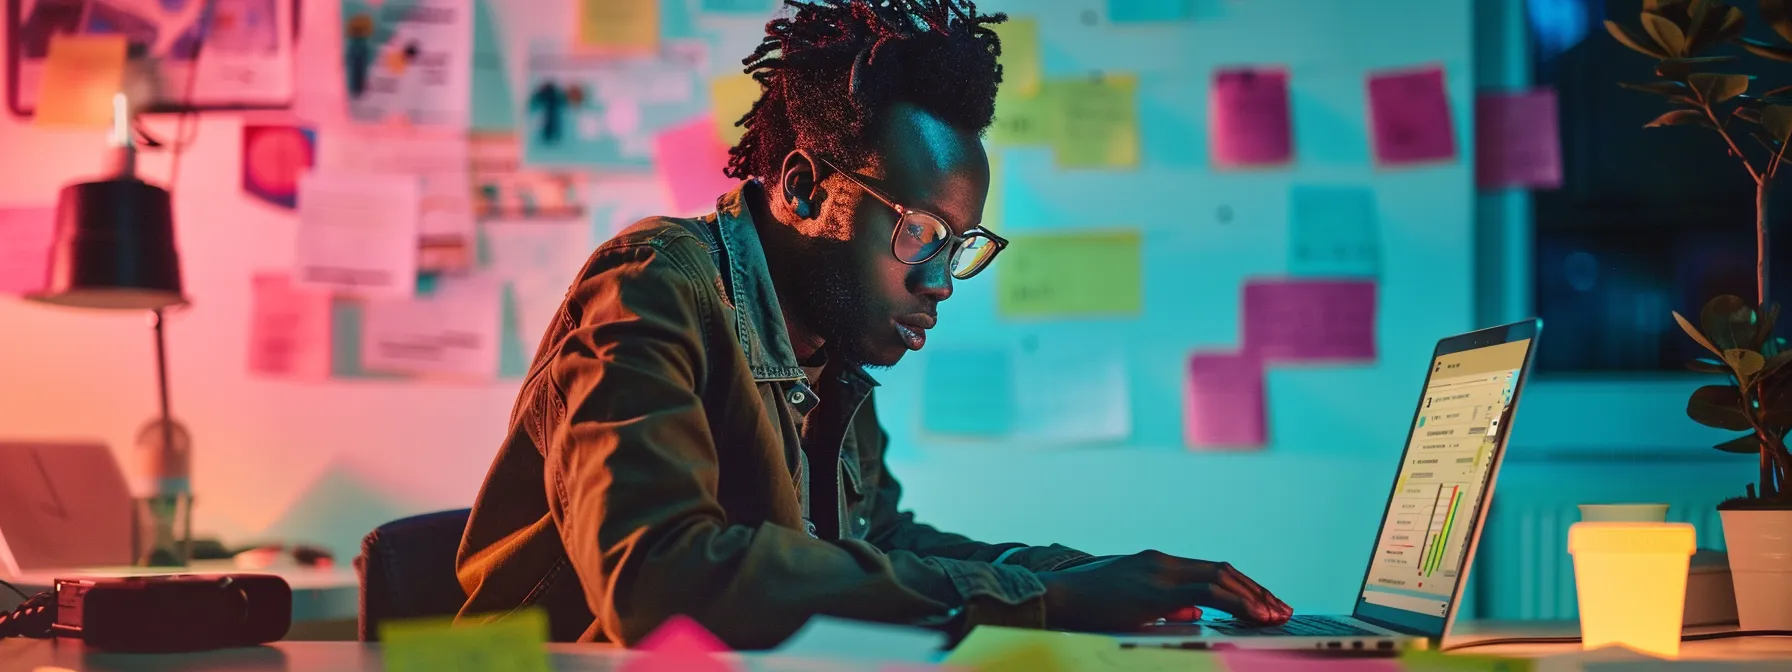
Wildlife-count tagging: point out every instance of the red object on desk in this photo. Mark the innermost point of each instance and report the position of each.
(681, 645)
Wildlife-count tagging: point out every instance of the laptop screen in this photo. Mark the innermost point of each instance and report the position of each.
(1447, 467)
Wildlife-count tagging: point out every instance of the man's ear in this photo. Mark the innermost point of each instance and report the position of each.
(799, 181)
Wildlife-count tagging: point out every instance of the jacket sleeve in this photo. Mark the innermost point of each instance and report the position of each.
(894, 530)
(633, 474)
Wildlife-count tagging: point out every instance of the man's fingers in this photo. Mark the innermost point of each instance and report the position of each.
(1217, 596)
(1238, 583)
(1184, 615)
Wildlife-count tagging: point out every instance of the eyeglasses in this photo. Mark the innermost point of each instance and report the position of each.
(920, 236)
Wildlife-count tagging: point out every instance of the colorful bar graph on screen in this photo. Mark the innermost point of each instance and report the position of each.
(1435, 554)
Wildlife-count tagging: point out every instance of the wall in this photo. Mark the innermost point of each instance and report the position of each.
(327, 461)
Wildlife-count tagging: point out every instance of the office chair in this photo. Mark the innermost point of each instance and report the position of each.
(407, 569)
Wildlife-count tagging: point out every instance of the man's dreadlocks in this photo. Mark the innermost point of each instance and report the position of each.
(832, 69)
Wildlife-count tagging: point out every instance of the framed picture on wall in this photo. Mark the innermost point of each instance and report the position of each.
(196, 55)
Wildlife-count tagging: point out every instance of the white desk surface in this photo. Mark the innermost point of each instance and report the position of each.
(26, 655)
(317, 594)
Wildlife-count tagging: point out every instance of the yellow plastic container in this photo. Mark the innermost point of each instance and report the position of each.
(1631, 581)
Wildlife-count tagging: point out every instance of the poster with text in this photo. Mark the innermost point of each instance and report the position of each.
(408, 61)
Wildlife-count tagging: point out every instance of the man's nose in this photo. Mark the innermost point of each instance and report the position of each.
(933, 279)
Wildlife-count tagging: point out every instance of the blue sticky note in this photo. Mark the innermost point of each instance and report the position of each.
(739, 6)
(1135, 11)
(968, 392)
(1333, 231)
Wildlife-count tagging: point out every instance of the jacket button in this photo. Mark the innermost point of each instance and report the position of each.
(797, 396)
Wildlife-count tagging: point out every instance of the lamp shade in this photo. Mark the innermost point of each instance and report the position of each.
(114, 248)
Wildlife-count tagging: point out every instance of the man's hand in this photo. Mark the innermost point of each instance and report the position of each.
(1120, 594)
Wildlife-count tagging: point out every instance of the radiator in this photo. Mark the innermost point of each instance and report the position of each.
(1523, 571)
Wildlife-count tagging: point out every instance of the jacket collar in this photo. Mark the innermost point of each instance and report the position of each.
(759, 319)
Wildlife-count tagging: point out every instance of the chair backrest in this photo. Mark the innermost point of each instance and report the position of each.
(407, 569)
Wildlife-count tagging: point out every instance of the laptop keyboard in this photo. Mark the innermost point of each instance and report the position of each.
(1299, 626)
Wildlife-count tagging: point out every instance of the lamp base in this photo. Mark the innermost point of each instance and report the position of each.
(165, 511)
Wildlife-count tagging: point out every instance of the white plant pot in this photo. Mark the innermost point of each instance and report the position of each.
(1760, 550)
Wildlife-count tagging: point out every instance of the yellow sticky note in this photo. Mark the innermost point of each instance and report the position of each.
(619, 25)
(1433, 661)
(1025, 120)
(994, 649)
(732, 97)
(1099, 125)
(81, 75)
(1070, 275)
(517, 643)
(1020, 55)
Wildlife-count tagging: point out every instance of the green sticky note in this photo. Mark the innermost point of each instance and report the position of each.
(1023, 121)
(1098, 121)
(992, 205)
(1082, 274)
(995, 649)
(515, 643)
(1020, 55)
(1433, 661)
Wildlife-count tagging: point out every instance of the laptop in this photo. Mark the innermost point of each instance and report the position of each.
(62, 505)
(1422, 552)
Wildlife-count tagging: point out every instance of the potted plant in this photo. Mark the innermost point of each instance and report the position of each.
(1757, 398)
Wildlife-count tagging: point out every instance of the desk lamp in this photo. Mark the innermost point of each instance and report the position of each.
(114, 250)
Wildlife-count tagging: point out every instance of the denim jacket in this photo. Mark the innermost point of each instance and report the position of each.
(666, 455)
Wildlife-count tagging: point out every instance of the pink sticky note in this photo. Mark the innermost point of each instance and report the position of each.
(1247, 113)
(1223, 404)
(1251, 660)
(1410, 113)
(1310, 320)
(25, 235)
(1517, 142)
(289, 328)
(681, 645)
(690, 157)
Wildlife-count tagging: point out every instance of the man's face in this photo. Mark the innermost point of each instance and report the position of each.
(869, 306)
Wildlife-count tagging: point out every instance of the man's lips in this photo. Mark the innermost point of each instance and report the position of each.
(913, 329)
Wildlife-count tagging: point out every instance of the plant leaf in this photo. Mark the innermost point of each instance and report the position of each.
(1728, 321)
(1747, 444)
(1766, 50)
(1680, 118)
(1774, 402)
(1715, 88)
(1746, 363)
(1686, 326)
(1748, 114)
(1638, 43)
(1775, 14)
(1662, 88)
(1718, 406)
(1730, 27)
(1706, 365)
(1665, 33)
(1777, 121)
(1775, 362)
(1764, 327)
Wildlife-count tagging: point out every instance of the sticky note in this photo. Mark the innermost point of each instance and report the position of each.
(1020, 55)
(1128, 11)
(289, 328)
(80, 76)
(1333, 231)
(1409, 113)
(1249, 124)
(1023, 121)
(1224, 401)
(732, 98)
(273, 158)
(514, 643)
(1257, 660)
(681, 645)
(1517, 140)
(998, 649)
(1310, 320)
(968, 392)
(1069, 391)
(1100, 123)
(619, 25)
(1090, 274)
(740, 6)
(690, 159)
(1434, 661)
(25, 236)
(993, 212)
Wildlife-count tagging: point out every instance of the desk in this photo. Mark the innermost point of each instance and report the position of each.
(26, 654)
(325, 603)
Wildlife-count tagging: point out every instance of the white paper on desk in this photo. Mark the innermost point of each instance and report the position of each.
(451, 333)
(443, 163)
(1066, 391)
(358, 233)
(537, 260)
(840, 639)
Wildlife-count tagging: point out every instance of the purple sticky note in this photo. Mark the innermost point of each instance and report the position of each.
(25, 235)
(1224, 400)
(1410, 113)
(1517, 141)
(1310, 320)
(690, 157)
(1257, 660)
(1249, 123)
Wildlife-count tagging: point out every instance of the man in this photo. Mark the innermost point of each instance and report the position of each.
(698, 436)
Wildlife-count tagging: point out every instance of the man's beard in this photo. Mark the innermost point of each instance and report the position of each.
(833, 299)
